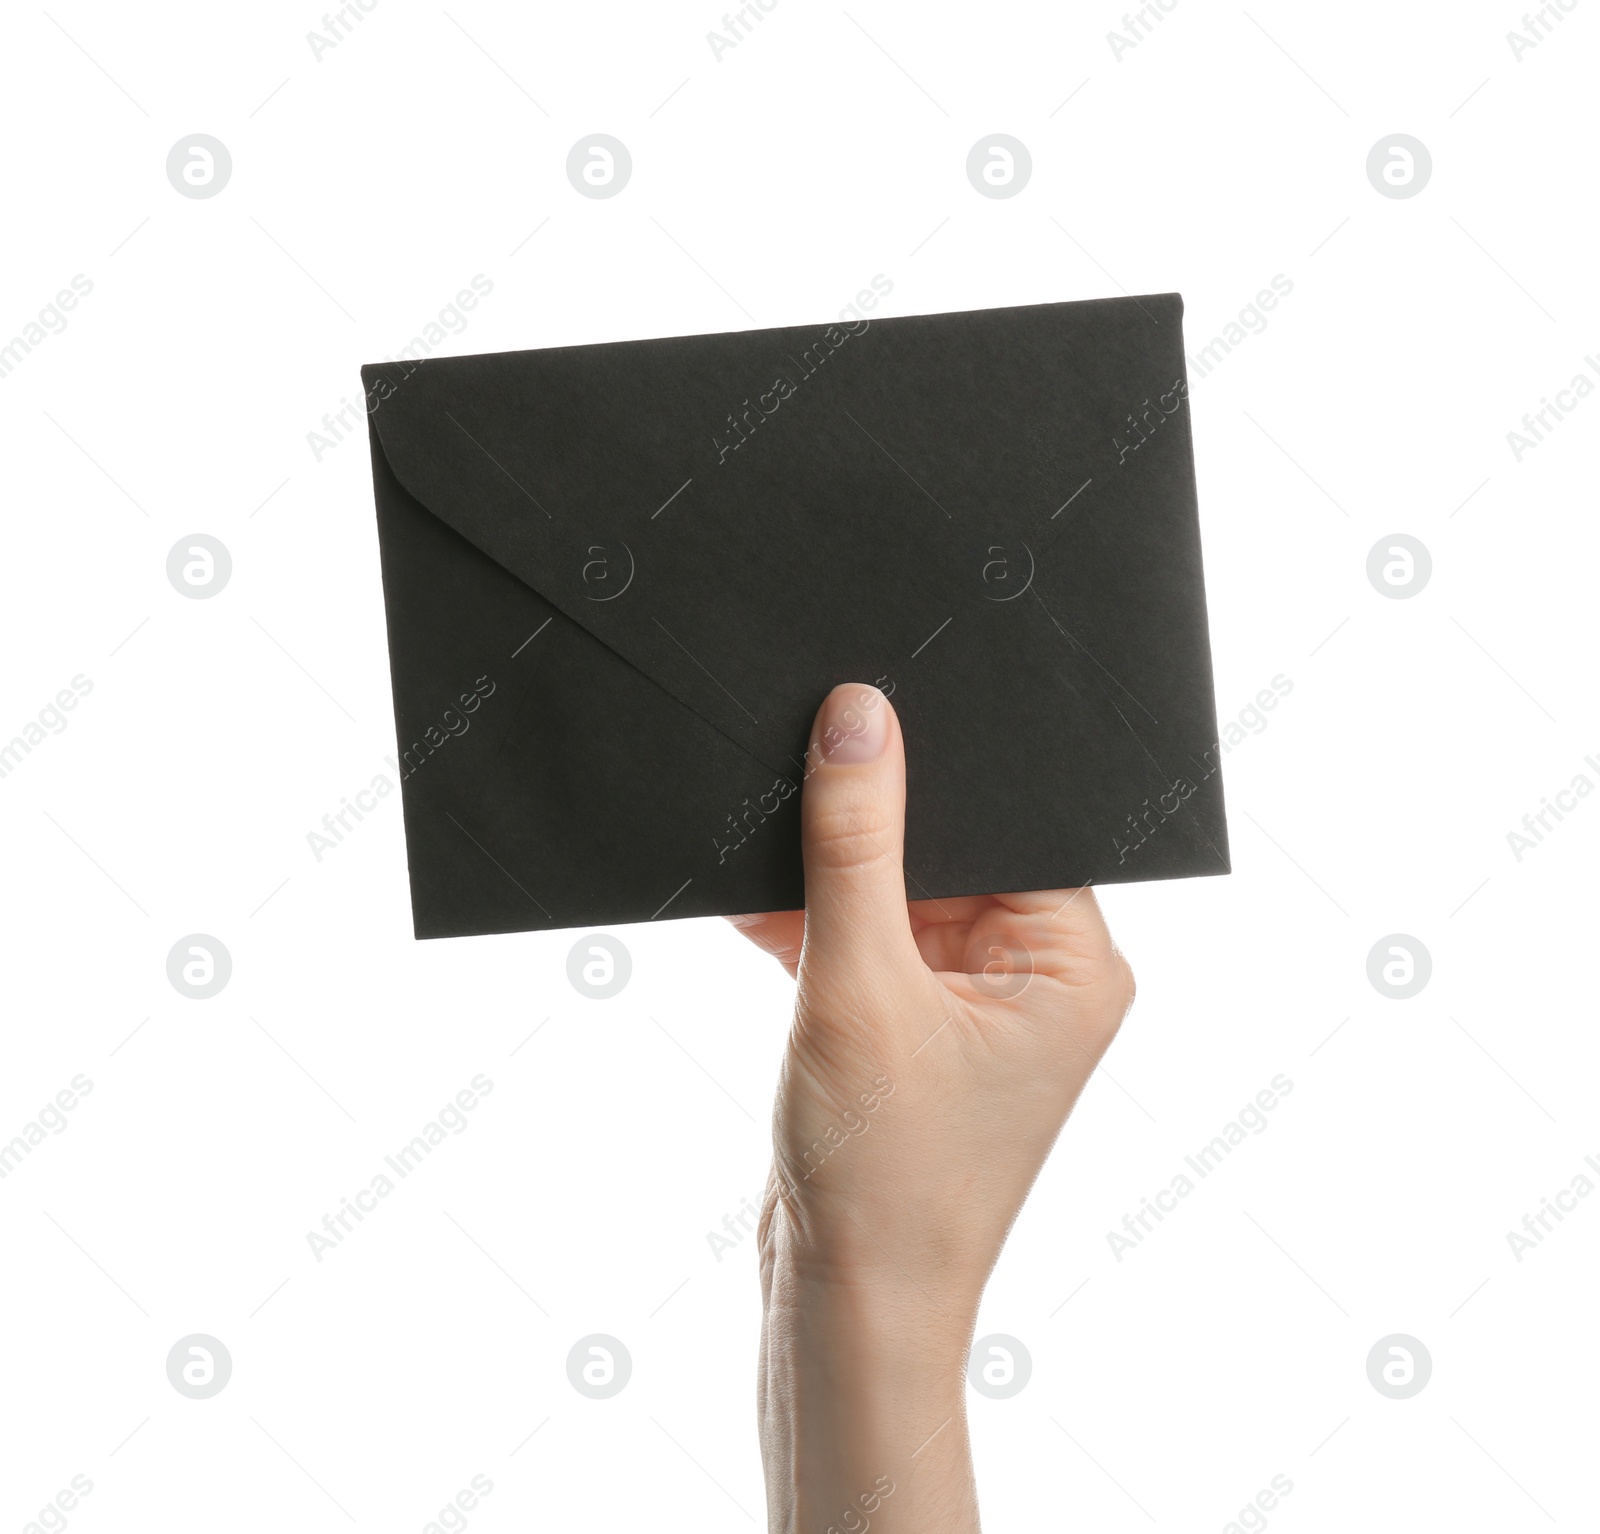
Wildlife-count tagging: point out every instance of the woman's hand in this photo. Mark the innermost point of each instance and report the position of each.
(937, 1049)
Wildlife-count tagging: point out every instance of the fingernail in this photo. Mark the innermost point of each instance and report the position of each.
(852, 728)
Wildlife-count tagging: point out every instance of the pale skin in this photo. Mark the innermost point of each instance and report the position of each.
(937, 1049)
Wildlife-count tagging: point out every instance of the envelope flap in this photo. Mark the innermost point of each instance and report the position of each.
(751, 517)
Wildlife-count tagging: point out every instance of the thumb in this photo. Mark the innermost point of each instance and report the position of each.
(852, 831)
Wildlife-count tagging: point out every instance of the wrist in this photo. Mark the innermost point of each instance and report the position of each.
(863, 1408)
(901, 1338)
(880, 1263)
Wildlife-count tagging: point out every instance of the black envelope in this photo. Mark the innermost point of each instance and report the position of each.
(621, 578)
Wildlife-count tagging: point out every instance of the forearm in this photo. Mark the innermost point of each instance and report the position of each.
(863, 1411)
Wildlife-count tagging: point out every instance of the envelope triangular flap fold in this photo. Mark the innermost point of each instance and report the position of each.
(837, 527)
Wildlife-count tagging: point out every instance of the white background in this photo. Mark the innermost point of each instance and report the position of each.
(768, 188)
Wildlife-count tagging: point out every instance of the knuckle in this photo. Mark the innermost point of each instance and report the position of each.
(1106, 997)
(1115, 994)
(1129, 984)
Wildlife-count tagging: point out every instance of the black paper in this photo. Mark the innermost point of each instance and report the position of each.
(621, 578)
